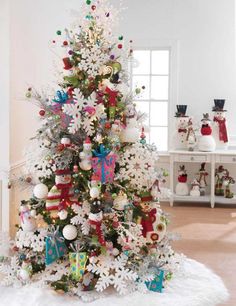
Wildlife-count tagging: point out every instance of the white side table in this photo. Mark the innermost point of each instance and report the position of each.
(211, 158)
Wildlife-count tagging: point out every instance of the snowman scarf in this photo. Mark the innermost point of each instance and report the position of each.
(223, 136)
(65, 195)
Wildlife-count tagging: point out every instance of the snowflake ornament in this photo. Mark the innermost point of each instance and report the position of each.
(33, 240)
(81, 217)
(112, 271)
(76, 110)
(130, 237)
(10, 271)
(138, 166)
(92, 59)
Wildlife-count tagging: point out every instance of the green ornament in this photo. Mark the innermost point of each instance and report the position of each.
(116, 67)
(137, 91)
(58, 32)
(121, 105)
(120, 37)
(28, 95)
(143, 141)
(88, 2)
(112, 112)
(114, 195)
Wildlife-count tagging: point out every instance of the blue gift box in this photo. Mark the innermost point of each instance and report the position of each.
(156, 284)
(55, 247)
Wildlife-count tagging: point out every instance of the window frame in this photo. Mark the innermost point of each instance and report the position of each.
(173, 47)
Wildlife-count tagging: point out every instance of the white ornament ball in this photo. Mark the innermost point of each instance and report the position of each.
(63, 214)
(115, 252)
(94, 192)
(40, 191)
(69, 232)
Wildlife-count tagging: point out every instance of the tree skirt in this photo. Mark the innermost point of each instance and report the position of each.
(194, 285)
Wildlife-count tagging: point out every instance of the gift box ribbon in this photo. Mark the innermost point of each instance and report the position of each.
(54, 237)
(101, 155)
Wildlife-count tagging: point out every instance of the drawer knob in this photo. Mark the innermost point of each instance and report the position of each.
(234, 159)
(192, 158)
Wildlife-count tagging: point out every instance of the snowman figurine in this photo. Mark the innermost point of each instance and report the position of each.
(86, 155)
(94, 187)
(202, 179)
(28, 222)
(220, 125)
(195, 188)
(131, 132)
(206, 141)
(181, 188)
(180, 135)
(155, 190)
(191, 139)
(121, 201)
(61, 194)
(154, 228)
(26, 271)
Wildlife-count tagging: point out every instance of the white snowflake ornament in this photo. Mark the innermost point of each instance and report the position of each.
(112, 271)
(138, 166)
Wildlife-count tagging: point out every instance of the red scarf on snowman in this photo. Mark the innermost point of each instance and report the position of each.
(223, 136)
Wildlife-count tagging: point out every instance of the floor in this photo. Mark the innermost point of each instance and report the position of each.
(209, 236)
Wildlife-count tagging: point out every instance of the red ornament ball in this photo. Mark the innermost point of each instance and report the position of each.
(42, 112)
(120, 46)
(93, 7)
(53, 41)
(75, 169)
(65, 43)
(107, 125)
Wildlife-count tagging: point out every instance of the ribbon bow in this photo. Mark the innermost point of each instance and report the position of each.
(75, 246)
(112, 96)
(61, 97)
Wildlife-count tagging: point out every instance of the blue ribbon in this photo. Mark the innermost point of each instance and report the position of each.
(61, 97)
(102, 154)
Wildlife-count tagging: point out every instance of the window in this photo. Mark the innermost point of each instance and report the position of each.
(151, 69)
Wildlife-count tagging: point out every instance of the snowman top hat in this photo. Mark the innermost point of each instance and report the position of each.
(219, 105)
(181, 111)
(206, 117)
(202, 168)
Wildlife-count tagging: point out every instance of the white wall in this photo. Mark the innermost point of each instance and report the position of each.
(204, 30)
(4, 114)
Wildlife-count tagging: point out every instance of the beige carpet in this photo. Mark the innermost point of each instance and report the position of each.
(208, 236)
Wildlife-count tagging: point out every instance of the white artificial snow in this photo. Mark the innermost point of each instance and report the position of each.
(193, 285)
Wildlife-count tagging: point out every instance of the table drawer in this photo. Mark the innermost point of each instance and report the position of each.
(192, 158)
(227, 158)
